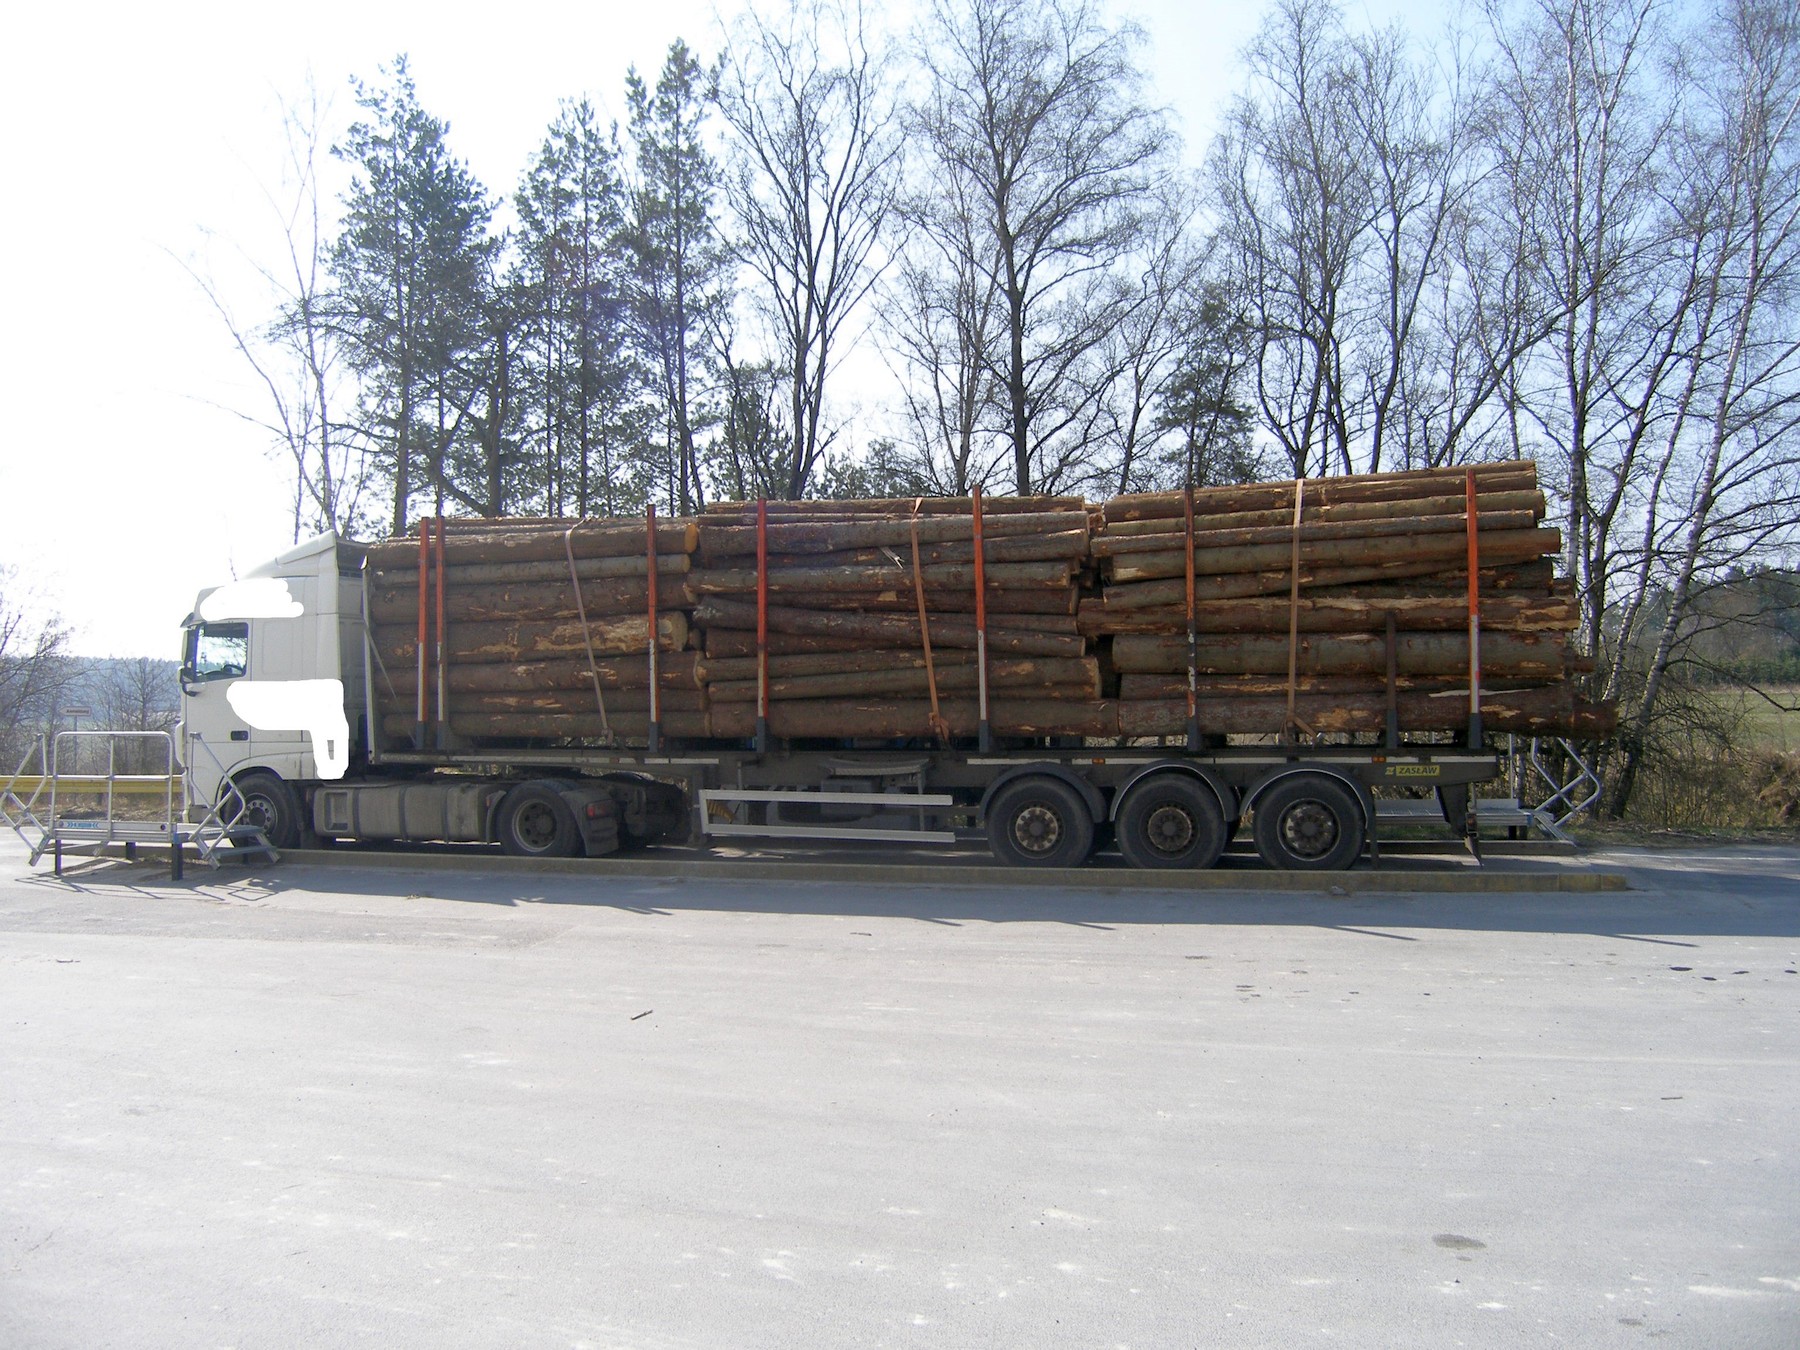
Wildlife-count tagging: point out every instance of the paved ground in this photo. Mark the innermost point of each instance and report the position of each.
(333, 1107)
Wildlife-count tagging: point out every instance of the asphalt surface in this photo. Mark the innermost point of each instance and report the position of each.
(349, 1105)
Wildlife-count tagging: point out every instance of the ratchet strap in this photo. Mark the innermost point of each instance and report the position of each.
(939, 727)
(1474, 613)
(654, 739)
(422, 691)
(587, 634)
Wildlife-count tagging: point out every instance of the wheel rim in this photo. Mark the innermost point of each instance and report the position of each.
(1037, 829)
(535, 826)
(1309, 829)
(259, 812)
(1169, 829)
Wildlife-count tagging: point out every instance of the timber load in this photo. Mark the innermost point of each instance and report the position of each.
(1346, 606)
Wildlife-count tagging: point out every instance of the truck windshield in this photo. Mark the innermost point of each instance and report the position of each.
(218, 651)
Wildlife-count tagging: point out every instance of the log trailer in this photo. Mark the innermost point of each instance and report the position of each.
(290, 709)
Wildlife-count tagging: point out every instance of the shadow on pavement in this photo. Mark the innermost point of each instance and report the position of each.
(1738, 891)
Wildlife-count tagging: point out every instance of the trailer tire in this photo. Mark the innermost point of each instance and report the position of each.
(272, 806)
(1040, 821)
(1309, 823)
(535, 822)
(1170, 820)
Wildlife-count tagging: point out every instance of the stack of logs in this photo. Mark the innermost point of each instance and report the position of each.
(1339, 605)
(504, 643)
(865, 620)
(845, 586)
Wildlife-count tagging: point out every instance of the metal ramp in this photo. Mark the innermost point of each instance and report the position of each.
(1549, 783)
(1554, 768)
(66, 797)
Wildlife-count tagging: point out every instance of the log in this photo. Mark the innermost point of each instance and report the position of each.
(718, 542)
(840, 719)
(630, 727)
(1531, 656)
(1516, 547)
(1053, 576)
(527, 640)
(1313, 513)
(1358, 612)
(579, 702)
(1069, 544)
(1419, 549)
(726, 669)
(484, 574)
(674, 670)
(1163, 688)
(544, 600)
(1125, 547)
(1052, 678)
(1050, 611)
(1551, 710)
(727, 643)
(605, 540)
(845, 508)
(885, 629)
(1506, 476)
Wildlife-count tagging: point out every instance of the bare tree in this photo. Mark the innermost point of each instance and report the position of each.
(1590, 123)
(1726, 492)
(1346, 184)
(1153, 336)
(815, 167)
(941, 311)
(34, 666)
(1033, 111)
(295, 355)
(1295, 205)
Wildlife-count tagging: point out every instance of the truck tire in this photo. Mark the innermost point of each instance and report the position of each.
(1040, 821)
(535, 822)
(272, 806)
(1170, 820)
(1309, 823)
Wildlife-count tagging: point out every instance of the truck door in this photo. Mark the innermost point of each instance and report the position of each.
(215, 738)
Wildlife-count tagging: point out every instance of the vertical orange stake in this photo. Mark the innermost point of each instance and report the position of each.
(1193, 720)
(654, 741)
(984, 738)
(1475, 730)
(424, 630)
(443, 674)
(762, 627)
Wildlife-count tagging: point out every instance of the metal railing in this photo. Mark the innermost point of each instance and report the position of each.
(1553, 765)
(49, 823)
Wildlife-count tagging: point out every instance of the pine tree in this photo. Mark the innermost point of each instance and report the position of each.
(584, 383)
(413, 267)
(678, 268)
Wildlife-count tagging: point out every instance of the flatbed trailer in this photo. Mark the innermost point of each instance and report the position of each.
(294, 631)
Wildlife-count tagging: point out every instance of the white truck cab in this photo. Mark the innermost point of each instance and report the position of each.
(271, 681)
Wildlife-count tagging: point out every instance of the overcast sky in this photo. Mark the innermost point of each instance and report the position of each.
(140, 138)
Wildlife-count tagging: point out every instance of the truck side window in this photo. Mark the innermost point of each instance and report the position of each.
(218, 651)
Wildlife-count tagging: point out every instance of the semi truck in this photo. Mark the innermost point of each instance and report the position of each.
(284, 695)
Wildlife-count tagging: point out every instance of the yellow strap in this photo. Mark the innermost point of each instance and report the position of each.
(587, 636)
(939, 726)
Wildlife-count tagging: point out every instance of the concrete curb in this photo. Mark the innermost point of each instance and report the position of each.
(1387, 881)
